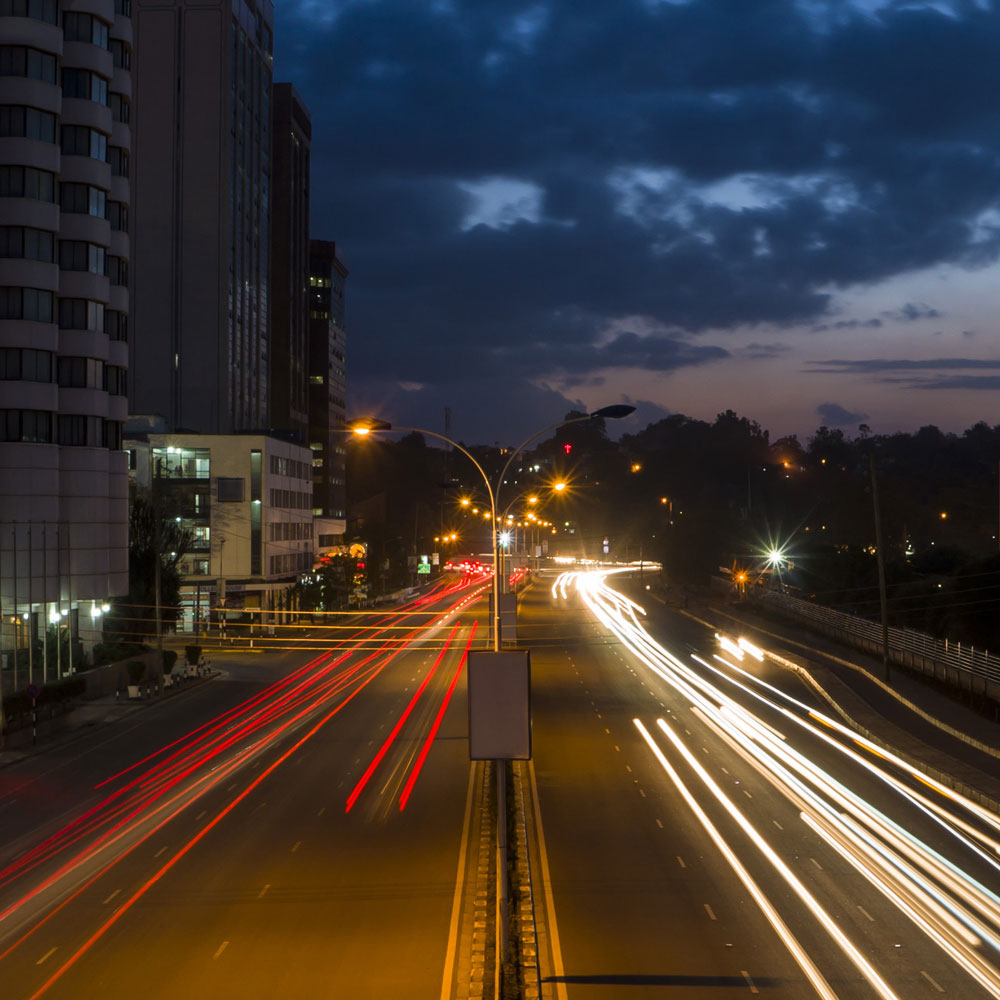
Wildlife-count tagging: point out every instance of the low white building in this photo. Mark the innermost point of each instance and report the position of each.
(247, 500)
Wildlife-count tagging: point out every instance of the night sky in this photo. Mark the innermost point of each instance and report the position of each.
(789, 209)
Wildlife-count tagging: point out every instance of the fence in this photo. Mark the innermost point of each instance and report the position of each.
(965, 667)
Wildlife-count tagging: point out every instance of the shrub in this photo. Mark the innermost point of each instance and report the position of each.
(192, 654)
(136, 671)
(113, 652)
(169, 659)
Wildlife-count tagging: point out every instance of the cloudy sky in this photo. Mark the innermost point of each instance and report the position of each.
(789, 208)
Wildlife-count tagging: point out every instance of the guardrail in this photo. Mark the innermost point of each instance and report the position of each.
(966, 667)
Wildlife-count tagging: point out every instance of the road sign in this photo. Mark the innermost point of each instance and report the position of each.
(32, 691)
(423, 568)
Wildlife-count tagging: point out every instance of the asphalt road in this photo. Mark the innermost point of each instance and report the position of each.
(230, 865)
(665, 848)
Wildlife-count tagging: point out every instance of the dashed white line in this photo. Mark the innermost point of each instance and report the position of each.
(321, 811)
(222, 947)
(296, 846)
(618, 748)
(48, 954)
(747, 794)
(866, 913)
(680, 861)
(642, 793)
(262, 891)
(160, 851)
(202, 813)
(940, 989)
(710, 912)
(816, 863)
(112, 896)
(627, 768)
(750, 982)
(659, 824)
(777, 824)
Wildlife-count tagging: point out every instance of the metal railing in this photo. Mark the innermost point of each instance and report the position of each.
(950, 661)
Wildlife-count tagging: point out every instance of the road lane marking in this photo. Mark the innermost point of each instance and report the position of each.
(618, 748)
(750, 982)
(112, 896)
(321, 811)
(940, 989)
(260, 895)
(296, 846)
(629, 769)
(659, 824)
(232, 786)
(816, 863)
(220, 949)
(48, 954)
(456, 899)
(680, 861)
(202, 813)
(642, 793)
(160, 851)
(777, 824)
(724, 771)
(558, 969)
(866, 913)
(709, 911)
(607, 732)
(747, 794)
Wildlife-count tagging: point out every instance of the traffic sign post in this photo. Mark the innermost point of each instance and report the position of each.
(32, 692)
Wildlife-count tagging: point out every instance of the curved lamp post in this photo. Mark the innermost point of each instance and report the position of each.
(367, 426)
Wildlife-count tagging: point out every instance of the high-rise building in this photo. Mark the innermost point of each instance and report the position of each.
(201, 356)
(291, 131)
(65, 145)
(327, 387)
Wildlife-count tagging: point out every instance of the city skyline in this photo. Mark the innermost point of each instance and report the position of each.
(787, 209)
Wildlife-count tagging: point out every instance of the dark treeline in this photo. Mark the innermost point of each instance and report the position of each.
(698, 496)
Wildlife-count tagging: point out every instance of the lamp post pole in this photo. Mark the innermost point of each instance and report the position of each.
(364, 427)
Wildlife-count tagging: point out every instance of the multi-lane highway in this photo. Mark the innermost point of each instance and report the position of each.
(710, 829)
(303, 842)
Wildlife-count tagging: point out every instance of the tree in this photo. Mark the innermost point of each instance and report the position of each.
(134, 616)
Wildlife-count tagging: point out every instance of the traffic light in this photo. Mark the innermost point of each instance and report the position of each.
(567, 447)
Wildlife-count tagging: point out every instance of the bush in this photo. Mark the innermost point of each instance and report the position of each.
(136, 671)
(113, 652)
(169, 659)
(19, 704)
(193, 655)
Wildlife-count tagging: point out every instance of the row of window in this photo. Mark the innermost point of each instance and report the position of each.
(44, 427)
(19, 121)
(20, 60)
(291, 499)
(289, 467)
(27, 182)
(30, 365)
(293, 562)
(37, 304)
(286, 531)
(37, 10)
(26, 243)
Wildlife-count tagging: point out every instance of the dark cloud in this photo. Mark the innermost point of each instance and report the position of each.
(763, 352)
(867, 366)
(912, 311)
(980, 382)
(834, 415)
(707, 166)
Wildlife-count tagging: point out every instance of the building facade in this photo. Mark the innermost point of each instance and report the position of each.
(246, 500)
(291, 131)
(202, 207)
(65, 204)
(328, 273)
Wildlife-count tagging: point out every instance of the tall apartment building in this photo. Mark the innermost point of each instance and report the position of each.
(65, 145)
(328, 387)
(291, 132)
(202, 210)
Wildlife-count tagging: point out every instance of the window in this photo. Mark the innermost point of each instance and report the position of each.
(26, 364)
(28, 244)
(117, 215)
(117, 270)
(26, 425)
(111, 433)
(19, 60)
(75, 255)
(85, 28)
(123, 8)
(82, 199)
(81, 431)
(80, 373)
(182, 463)
(37, 10)
(116, 324)
(122, 54)
(81, 314)
(27, 182)
(78, 140)
(85, 85)
(119, 161)
(27, 123)
(25, 303)
(121, 108)
(230, 490)
(115, 380)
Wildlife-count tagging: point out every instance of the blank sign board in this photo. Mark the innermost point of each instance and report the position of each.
(500, 705)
